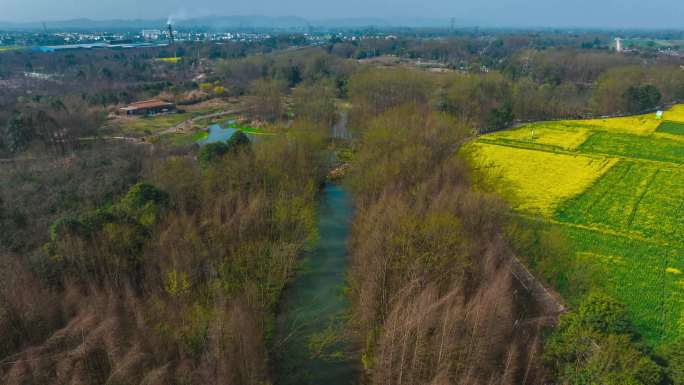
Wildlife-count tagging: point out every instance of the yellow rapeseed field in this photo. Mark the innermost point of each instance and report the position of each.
(546, 134)
(638, 125)
(620, 218)
(536, 181)
(675, 114)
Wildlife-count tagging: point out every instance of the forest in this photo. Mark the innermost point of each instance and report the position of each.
(147, 256)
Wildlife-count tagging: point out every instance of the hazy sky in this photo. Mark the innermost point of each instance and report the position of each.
(581, 13)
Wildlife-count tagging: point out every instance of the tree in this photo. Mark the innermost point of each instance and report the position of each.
(499, 118)
(266, 100)
(642, 98)
(18, 132)
(375, 91)
(316, 103)
(594, 346)
(212, 151)
(238, 141)
(476, 99)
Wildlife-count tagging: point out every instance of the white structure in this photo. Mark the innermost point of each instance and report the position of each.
(618, 44)
(151, 34)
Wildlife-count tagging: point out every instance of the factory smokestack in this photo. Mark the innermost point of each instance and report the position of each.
(170, 33)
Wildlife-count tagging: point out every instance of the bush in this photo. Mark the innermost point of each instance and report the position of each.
(594, 346)
(604, 314)
(212, 151)
(238, 141)
(142, 193)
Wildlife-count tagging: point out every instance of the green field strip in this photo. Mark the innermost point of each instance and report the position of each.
(670, 127)
(642, 190)
(609, 186)
(601, 229)
(633, 146)
(634, 270)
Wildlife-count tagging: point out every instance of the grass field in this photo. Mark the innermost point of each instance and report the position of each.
(151, 125)
(615, 189)
(671, 128)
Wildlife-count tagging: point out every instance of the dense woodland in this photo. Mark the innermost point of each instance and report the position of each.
(124, 263)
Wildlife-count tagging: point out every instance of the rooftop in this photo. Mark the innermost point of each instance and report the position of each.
(154, 103)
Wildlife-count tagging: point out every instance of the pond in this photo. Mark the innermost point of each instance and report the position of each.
(221, 133)
(312, 345)
(218, 133)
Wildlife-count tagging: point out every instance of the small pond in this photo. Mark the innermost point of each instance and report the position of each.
(222, 132)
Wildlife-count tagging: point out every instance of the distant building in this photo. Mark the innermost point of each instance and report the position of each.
(151, 34)
(147, 107)
(618, 44)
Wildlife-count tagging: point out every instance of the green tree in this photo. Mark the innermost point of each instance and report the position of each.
(499, 118)
(642, 98)
(238, 141)
(18, 132)
(212, 151)
(594, 346)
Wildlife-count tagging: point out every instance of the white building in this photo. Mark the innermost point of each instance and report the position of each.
(151, 34)
(618, 44)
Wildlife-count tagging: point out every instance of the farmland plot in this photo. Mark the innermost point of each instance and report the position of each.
(675, 128)
(632, 146)
(615, 189)
(538, 180)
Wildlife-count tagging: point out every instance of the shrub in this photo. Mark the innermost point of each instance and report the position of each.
(212, 151)
(142, 193)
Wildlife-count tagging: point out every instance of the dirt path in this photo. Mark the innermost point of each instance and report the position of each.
(550, 301)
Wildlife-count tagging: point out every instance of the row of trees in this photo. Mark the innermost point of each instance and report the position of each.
(430, 283)
(491, 101)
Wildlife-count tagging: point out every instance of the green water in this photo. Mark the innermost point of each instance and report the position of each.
(311, 344)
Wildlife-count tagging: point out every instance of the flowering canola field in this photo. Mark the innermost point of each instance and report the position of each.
(615, 189)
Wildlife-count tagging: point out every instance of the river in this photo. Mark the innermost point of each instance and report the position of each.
(312, 344)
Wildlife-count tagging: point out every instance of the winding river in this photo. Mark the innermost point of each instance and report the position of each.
(312, 345)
